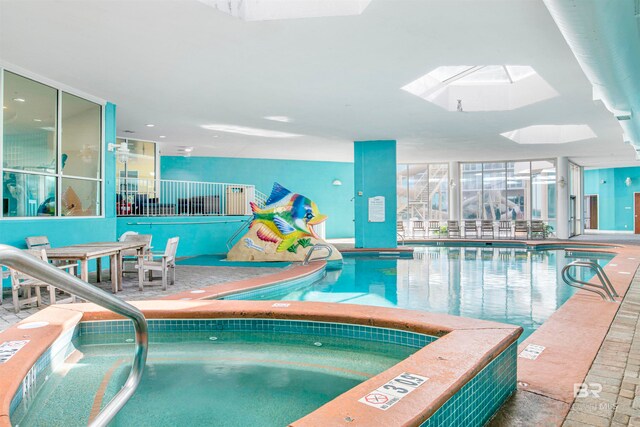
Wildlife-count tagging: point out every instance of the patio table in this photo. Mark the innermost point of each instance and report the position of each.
(96, 250)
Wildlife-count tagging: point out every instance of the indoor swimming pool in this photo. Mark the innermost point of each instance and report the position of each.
(510, 285)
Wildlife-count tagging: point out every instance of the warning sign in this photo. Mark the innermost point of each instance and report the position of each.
(532, 352)
(393, 391)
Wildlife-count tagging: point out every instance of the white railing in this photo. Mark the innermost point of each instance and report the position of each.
(160, 197)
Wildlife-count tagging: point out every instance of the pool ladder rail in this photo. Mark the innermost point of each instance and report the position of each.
(605, 289)
(19, 260)
(313, 248)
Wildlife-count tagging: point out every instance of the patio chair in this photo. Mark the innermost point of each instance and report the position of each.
(453, 228)
(159, 262)
(418, 226)
(27, 284)
(537, 228)
(470, 226)
(434, 226)
(400, 228)
(131, 255)
(504, 227)
(521, 227)
(486, 228)
(42, 242)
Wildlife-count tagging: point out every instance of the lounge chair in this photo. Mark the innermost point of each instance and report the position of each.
(470, 226)
(434, 227)
(159, 262)
(453, 228)
(486, 228)
(537, 229)
(521, 227)
(504, 227)
(418, 226)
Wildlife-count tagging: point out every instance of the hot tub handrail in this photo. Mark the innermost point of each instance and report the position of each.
(21, 261)
(609, 293)
(313, 248)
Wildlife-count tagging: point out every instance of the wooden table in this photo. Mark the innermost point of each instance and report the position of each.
(87, 251)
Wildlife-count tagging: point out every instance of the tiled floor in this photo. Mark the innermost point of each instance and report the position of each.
(612, 391)
(187, 277)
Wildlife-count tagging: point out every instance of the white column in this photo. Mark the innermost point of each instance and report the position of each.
(562, 198)
(581, 200)
(454, 190)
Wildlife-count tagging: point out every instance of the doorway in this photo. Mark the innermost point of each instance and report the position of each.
(572, 216)
(636, 218)
(591, 212)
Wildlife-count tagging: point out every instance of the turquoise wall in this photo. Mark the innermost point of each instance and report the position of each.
(198, 234)
(375, 175)
(310, 178)
(615, 199)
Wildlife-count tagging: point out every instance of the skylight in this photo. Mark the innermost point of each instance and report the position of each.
(267, 10)
(481, 87)
(243, 130)
(550, 134)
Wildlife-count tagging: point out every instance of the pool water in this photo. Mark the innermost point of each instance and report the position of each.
(509, 285)
(210, 378)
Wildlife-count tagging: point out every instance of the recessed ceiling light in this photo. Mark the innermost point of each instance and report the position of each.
(37, 120)
(149, 125)
(283, 119)
(19, 99)
(243, 130)
(186, 149)
(216, 136)
(162, 136)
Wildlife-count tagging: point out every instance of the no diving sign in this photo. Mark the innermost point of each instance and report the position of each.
(393, 391)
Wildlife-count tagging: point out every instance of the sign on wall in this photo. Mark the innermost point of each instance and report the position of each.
(376, 209)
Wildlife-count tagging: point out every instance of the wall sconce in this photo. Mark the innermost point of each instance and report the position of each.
(627, 181)
(452, 183)
(562, 182)
(603, 181)
(336, 182)
(121, 150)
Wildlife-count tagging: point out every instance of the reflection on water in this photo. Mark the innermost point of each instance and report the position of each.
(506, 285)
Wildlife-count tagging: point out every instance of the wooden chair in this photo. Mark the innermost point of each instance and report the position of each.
(434, 226)
(486, 228)
(159, 262)
(470, 226)
(400, 228)
(521, 227)
(418, 226)
(26, 284)
(453, 228)
(131, 255)
(42, 242)
(504, 227)
(537, 228)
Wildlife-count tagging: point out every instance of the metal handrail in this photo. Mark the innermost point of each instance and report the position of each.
(237, 232)
(606, 290)
(401, 237)
(313, 248)
(19, 260)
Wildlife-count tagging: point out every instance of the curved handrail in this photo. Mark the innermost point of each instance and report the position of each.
(606, 290)
(237, 232)
(318, 246)
(19, 260)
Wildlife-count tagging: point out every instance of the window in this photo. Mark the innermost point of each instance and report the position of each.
(51, 151)
(509, 191)
(423, 192)
(136, 171)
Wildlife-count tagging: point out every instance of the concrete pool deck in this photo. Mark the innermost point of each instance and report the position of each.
(582, 330)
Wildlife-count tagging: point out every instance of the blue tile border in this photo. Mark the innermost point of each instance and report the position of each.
(49, 361)
(302, 327)
(478, 400)
(287, 285)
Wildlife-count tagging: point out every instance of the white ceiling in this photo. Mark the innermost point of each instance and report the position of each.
(182, 64)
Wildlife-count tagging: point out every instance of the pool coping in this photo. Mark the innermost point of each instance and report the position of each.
(463, 349)
(566, 359)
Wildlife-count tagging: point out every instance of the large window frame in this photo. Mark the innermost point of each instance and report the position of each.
(58, 175)
(428, 174)
(479, 170)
